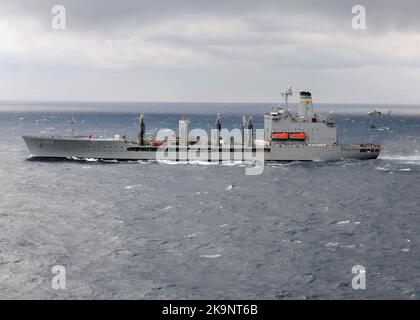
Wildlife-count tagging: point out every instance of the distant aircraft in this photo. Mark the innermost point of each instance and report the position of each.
(377, 113)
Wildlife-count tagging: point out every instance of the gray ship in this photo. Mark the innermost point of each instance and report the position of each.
(287, 136)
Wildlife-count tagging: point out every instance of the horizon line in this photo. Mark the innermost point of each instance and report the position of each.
(192, 102)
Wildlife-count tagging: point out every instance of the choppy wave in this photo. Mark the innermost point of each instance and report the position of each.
(400, 157)
(293, 216)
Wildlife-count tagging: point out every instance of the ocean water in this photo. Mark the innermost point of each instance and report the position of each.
(147, 230)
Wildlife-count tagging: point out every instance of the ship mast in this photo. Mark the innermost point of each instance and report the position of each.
(141, 130)
(286, 94)
(72, 126)
(218, 122)
(218, 129)
(244, 122)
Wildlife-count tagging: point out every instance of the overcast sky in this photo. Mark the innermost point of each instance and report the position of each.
(212, 50)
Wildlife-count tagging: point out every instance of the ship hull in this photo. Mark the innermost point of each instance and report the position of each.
(320, 153)
(110, 149)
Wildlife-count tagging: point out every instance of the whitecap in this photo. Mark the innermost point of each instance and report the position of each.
(210, 256)
(133, 186)
(400, 157)
(170, 162)
(202, 163)
(228, 163)
(144, 161)
(332, 244)
(110, 161)
(343, 222)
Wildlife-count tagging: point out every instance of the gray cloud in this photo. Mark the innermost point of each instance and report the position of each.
(243, 49)
(100, 14)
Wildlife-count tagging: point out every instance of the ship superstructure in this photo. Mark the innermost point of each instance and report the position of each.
(304, 128)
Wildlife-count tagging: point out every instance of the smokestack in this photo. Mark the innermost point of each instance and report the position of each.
(305, 105)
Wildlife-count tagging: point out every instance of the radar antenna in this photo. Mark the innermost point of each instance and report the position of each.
(286, 94)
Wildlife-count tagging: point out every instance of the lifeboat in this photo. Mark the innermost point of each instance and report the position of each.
(158, 143)
(297, 135)
(280, 136)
